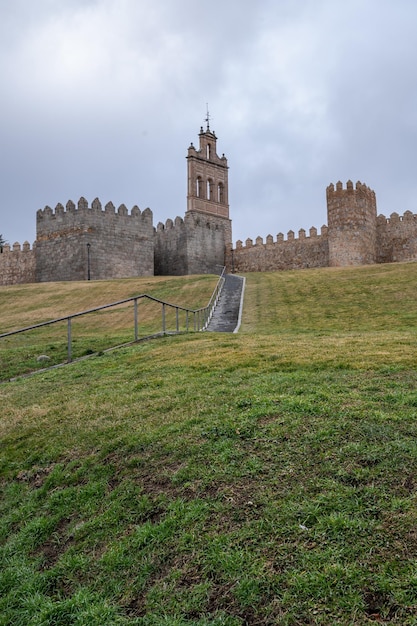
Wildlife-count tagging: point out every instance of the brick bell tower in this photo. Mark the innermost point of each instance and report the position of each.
(207, 203)
(207, 176)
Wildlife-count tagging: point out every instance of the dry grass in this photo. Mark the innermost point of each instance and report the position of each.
(24, 305)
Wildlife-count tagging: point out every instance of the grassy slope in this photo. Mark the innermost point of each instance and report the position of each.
(260, 478)
(23, 305)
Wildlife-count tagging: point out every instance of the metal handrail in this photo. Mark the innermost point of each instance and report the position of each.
(200, 317)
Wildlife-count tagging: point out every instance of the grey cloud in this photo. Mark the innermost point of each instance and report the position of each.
(102, 98)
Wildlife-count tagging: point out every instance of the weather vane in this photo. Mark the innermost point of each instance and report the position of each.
(208, 117)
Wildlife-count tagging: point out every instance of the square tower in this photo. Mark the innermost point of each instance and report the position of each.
(198, 243)
(207, 177)
(209, 229)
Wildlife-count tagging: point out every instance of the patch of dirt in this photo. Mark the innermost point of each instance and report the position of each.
(36, 476)
(408, 484)
(136, 607)
(55, 546)
(222, 599)
(379, 607)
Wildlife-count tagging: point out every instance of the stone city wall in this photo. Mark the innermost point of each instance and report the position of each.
(208, 238)
(397, 238)
(17, 264)
(171, 248)
(193, 245)
(78, 242)
(292, 253)
(81, 242)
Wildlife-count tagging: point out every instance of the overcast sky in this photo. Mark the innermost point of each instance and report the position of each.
(101, 98)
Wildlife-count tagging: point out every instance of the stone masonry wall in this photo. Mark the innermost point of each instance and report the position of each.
(397, 238)
(291, 253)
(126, 245)
(120, 245)
(171, 248)
(193, 245)
(208, 237)
(17, 265)
(351, 215)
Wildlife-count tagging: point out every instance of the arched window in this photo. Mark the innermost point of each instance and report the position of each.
(220, 193)
(208, 151)
(199, 187)
(209, 189)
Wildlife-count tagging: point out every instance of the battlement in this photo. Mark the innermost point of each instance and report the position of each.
(80, 211)
(7, 249)
(358, 195)
(80, 241)
(397, 237)
(294, 252)
(395, 218)
(17, 264)
(361, 187)
(169, 224)
(269, 241)
(192, 220)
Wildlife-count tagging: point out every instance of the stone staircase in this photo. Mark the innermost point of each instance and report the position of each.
(225, 318)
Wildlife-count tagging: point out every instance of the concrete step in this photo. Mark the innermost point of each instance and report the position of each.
(225, 318)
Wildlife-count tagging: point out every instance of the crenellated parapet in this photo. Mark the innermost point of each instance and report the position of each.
(82, 241)
(352, 194)
(82, 205)
(396, 218)
(17, 247)
(396, 237)
(193, 245)
(17, 264)
(81, 216)
(294, 252)
(170, 225)
(280, 238)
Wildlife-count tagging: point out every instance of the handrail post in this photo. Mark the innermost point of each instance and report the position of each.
(203, 314)
(135, 314)
(69, 340)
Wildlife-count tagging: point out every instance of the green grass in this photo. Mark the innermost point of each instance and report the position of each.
(267, 477)
(23, 306)
(331, 300)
